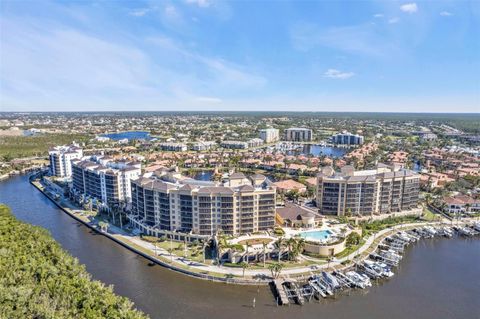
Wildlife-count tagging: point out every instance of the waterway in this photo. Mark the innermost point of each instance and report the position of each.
(437, 278)
(319, 150)
(130, 135)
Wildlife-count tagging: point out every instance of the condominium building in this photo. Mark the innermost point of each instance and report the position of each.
(103, 179)
(168, 202)
(346, 138)
(255, 142)
(176, 147)
(203, 145)
(269, 135)
(360, 193)
(61, 159)
(234, 144)
(297, 134)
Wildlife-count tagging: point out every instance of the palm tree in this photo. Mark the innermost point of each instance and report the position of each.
(280, 243)
(291, 242)
(244, 267)
(299, 247)
(275, 269)
(264, 253)
(246, 253)
(219, 249)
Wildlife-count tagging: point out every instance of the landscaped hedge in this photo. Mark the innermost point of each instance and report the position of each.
(38, 279)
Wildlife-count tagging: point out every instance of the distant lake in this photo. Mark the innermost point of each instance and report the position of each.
(319, 150)
(130, 135)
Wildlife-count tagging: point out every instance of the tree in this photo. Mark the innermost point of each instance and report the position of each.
(264, 253)
(353, 239)
(51, 282)
(291, 242)
(275, 269)
(280, 242)
(244, 267)
(246, 253)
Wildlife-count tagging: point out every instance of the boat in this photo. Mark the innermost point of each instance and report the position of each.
(318, 280)
(476, 226)
(371, 270)
(430, 230)
(360, 281)
(464, 231)
(387, 270)
(316, 287)
(330, 280)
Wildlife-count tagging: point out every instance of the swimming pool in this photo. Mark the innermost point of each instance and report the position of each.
(317, 235)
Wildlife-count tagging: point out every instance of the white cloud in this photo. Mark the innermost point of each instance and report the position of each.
(359, 39)
(337, 74)
(171, 11)
(446, 14)
(393, 20)
(139, 12)
(224, 72)
(378, 15)
(409, 7)
(200, 3)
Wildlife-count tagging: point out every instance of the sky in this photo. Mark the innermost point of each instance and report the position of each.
(208, 55)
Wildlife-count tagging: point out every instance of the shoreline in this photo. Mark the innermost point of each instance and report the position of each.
(147, 256)
(370, 245)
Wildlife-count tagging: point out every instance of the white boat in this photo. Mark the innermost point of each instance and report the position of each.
(360, 281)
(387, 271)
(464, 231)
(371, 269)
(430, 230)
(330, 280)
(476, 226)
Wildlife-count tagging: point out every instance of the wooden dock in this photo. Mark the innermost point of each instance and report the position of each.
(281, 292)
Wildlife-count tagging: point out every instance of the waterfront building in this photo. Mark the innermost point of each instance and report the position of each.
(176, 147)
(203, 145)
(347, 138)
(103, 179)
(269, 135)
(359, 193)
(168, 202)
(234, 144)
(296, 134)
(61, 159)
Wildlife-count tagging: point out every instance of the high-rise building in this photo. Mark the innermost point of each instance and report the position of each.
(61, 159)
(103, 179)
(297, 134)
(269, 135)
(170, 202)
(346, 138)
(360, 193)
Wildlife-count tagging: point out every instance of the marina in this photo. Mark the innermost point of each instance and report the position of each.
(377, 267)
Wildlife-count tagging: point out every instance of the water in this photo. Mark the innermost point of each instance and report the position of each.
(203, 176)
(130, 135)
(318, 235)
(319, 150)
(436, 279)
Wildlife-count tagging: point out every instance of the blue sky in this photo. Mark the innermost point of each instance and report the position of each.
(385, 56)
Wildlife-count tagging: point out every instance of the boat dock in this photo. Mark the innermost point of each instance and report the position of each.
(282, 295)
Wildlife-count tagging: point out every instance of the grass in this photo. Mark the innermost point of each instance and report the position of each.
(12, 147)
(347, 251)
(255, 241)
(428, 215)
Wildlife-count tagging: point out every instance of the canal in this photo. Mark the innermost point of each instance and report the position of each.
(437, 278)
